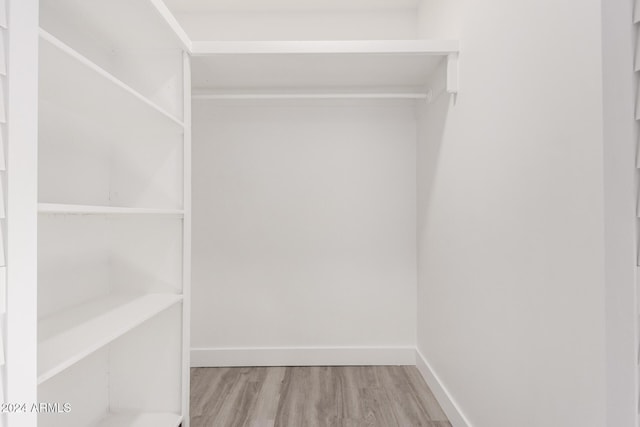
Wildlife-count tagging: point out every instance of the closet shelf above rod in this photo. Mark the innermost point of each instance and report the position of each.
(329, 69)
(240, 96)
(401, 47)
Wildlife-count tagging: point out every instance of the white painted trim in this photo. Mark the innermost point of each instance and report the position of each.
(22, 209)
(447, 402)
(149, 419)
(186, 240)
(303, 356)
(424, 47)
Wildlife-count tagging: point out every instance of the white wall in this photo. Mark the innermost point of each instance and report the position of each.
(304, 218)
(300, 25)
(511, 309)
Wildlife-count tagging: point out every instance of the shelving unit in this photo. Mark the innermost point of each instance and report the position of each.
(113, 214)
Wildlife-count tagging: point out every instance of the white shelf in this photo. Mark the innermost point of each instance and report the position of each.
(71, 81)
(329, 69)
(386, 47)
(68, 337)
(309, 95)
(53, 208)
(141, 420)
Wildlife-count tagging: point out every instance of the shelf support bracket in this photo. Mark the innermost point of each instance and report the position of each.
(452, 73)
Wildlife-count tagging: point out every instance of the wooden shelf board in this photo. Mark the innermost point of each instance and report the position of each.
(68, 337)
(54, 208)
(73, 82)
(141, 420)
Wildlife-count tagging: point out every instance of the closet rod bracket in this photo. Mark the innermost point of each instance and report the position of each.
(428, 96)
(452, 73)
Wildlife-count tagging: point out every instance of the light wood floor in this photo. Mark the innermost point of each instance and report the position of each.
(353, 396)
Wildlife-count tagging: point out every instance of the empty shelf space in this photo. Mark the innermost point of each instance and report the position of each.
(71, 81)
(62, 209)
(319, 69)
(141, 420)
(70, 336)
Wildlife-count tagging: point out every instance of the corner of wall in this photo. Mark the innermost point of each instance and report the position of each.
(444, 398)
(439, 19)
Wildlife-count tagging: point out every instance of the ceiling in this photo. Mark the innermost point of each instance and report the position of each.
(199, 6)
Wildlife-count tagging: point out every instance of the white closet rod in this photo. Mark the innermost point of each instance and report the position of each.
(248, 96)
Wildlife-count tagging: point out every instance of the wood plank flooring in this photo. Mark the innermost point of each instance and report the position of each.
(318, 396)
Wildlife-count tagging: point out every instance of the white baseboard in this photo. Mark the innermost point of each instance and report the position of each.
(448, 404)
(302, 356)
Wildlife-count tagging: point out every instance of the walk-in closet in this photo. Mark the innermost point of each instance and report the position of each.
(313, 212)
(302, 155)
